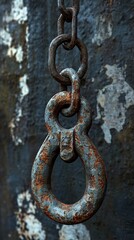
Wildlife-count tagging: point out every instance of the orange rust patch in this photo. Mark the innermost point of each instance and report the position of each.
(48, 127)
(101, 183)
(44, 154)
(39, 182)
(97, 163)
(92, 181)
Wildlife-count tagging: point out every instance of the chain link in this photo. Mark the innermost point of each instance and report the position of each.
(75, 95)
(64, 11)
(68, 15)
(52, 58)
(61, 23)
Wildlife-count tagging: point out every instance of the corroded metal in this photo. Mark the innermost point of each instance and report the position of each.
(61, 23)
(52, 57)
(65, 11)
(68, 143)
(74, 106)
(84, 148)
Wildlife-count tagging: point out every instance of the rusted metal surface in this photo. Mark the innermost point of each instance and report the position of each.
(107, 31)
(52, 58)
(65, 12)
(69, 143)
(84, 148)
(75, 96)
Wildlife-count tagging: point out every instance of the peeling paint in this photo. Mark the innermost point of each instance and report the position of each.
(27, 34)
(5, 37)
(24, 87)
(18, 12)
(102, 30)
(17, 52)
(24, 90)
(15, 138)
(28, 226)
(110, 107)
(74, 232)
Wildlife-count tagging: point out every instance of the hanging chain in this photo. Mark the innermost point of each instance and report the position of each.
(69, 143)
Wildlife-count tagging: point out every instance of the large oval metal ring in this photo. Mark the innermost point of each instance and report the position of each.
(52, 57)
(94, 171)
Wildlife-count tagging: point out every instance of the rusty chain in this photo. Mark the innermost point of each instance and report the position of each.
(68, 15)
(69, 143)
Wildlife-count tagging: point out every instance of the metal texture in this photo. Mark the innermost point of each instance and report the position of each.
(115, 218)
(65, 11)
(52, 58)
(68, 15)
(61, 23)
(69, 143)
(93, 164)
(74, 106)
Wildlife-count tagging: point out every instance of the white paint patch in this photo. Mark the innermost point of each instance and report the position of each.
(17, 52)
(27, 34)
(24, 87)
(5, 38)
(28, 226)
(102, 30)
(24, 90)
(110, 107)
(74, 232)
(15, 138)
(18, 12)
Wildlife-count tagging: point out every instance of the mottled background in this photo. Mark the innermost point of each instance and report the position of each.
(26, 30)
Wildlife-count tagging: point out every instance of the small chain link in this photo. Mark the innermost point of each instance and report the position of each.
(75, 95)
(68, 15)
(64, 11)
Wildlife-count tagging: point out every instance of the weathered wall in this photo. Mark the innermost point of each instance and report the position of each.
(26, 30)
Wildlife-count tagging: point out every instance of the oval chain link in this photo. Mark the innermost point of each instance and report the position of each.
(60, 25)
(64, 11)
(68, 15)
(75, 95)
(52, 58)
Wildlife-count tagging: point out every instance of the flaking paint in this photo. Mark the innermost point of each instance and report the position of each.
(110, 109)
(76, 232)
(102, 30)
(27, 225)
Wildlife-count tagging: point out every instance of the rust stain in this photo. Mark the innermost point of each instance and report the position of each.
(92, 181)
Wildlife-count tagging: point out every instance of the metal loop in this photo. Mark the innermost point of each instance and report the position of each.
(75, 95)
(52, 58)
(64, 11)
(61, 22)
(44, 162)
(54, 106)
